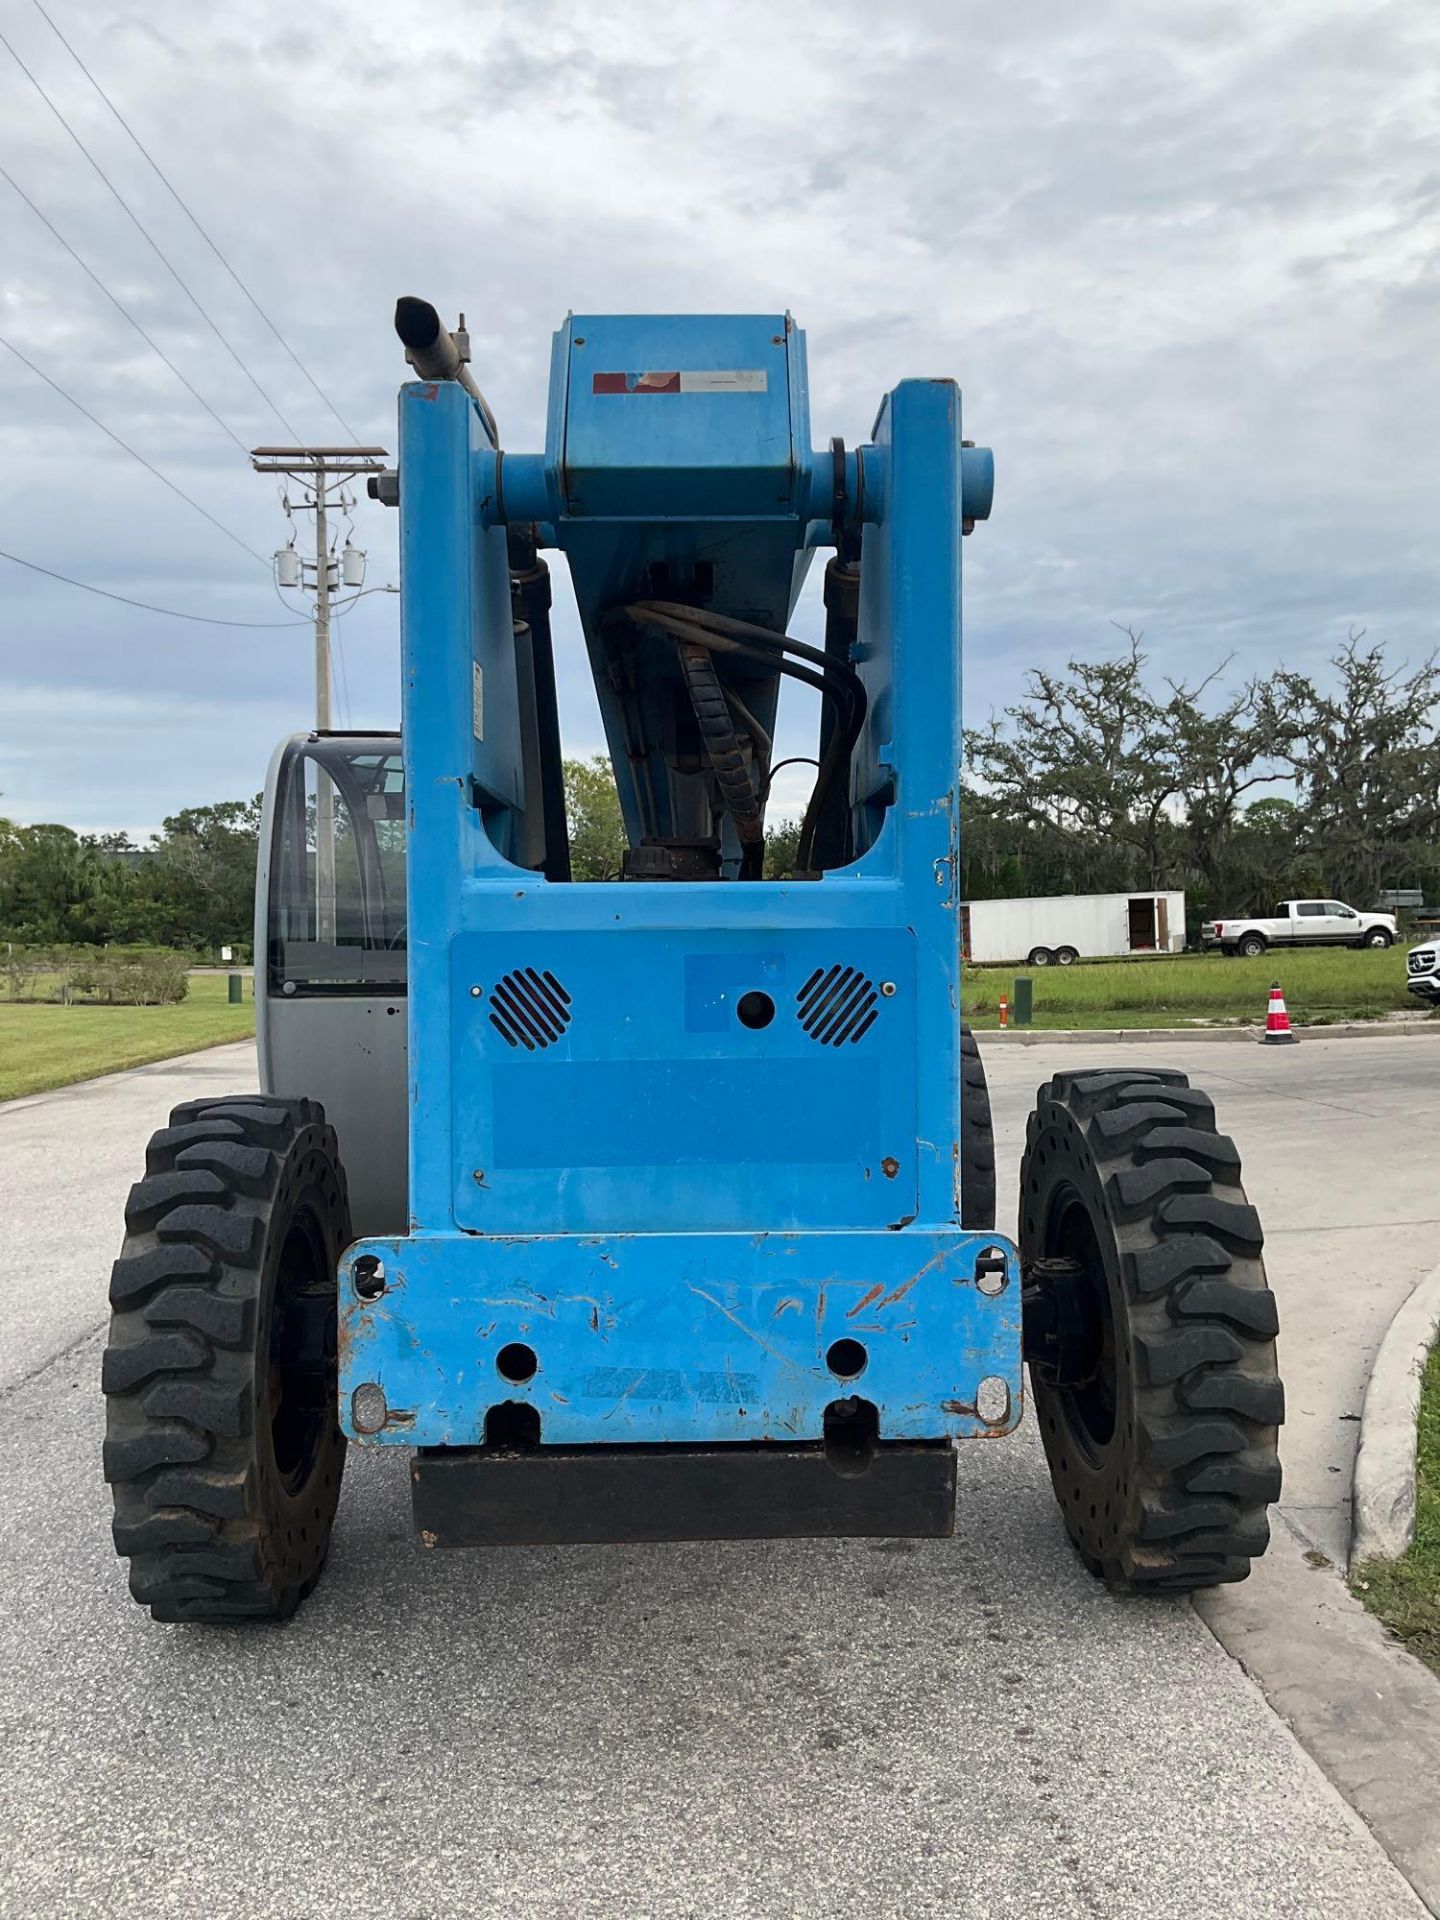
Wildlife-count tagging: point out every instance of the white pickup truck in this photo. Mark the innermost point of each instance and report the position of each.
(1302, 923)
(1422, 971)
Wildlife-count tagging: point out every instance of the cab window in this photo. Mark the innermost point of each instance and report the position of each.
(336, 908)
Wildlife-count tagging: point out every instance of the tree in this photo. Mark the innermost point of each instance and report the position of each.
(1087, 760)
(54, 889)
(1265, 859)
(592, 812)
(782, 843)
(1365, 759)
(1219, 757)
(198, 890)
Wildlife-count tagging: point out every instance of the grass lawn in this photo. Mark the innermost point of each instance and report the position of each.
(1406, 1593)
(44, 1046)
(1321, 984)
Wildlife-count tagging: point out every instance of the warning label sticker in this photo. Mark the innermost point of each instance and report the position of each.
(477, 700)
(695, 380)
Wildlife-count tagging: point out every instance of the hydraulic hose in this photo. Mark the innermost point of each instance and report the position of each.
(722, 747)
(835, 679)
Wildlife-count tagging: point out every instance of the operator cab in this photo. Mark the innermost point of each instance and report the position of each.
(330, 994)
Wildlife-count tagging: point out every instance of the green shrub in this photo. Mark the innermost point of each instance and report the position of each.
(114, 976)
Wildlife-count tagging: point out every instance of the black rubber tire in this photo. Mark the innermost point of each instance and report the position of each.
(1065, 956)
(1126, 1171)
(977, 1141)
(223, 1448)
(1040, 957)
(1377, 937)
(1252, 946)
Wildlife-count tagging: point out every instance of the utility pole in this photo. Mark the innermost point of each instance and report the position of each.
(322, 610)
(316, 469)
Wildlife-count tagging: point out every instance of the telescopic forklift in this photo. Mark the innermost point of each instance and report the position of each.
(663, 1206)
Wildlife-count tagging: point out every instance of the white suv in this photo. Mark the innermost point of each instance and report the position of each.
(1422, 971)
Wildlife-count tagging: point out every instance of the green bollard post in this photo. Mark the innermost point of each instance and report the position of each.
(237, 989)
(1024, 1000)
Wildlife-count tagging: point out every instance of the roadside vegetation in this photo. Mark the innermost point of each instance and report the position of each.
(47, 1044)
(116, 976)
(1321, 985)
(1101, 781)
(1405, 1593)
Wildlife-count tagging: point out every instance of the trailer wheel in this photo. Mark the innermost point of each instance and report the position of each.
(1040, 957)
(1149, 1331)
(977, 1140)
(223, 1448)
(1066, 956)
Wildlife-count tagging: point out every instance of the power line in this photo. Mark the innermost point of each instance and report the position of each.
(110, 434)
(116, 302)
(149, 240)
(147, 606)
(175, 196)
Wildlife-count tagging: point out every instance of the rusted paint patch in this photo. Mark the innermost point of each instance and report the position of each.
(864, 1301)
(890, 1166)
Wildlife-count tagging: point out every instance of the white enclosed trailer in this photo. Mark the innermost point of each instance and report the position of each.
(1057, 929)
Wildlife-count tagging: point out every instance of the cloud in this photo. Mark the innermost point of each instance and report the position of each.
(1183, 260)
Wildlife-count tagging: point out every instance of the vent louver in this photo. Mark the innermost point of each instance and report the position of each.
(529, 1009)
(837, 1005)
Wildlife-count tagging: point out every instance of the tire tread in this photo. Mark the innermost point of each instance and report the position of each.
(1203, 1464)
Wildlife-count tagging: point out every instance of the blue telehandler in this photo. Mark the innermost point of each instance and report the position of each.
(663, 1206)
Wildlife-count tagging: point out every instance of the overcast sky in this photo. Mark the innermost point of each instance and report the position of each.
(1182, 258)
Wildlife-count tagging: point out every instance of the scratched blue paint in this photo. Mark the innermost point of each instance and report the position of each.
(724, 1201)
(693, 1337)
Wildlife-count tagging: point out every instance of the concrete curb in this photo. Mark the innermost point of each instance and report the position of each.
(1162, 1036)
(1384, 1506)
(1364, 1709)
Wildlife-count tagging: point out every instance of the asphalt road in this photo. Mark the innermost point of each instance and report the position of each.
(1340, 1149)
(829, 1728)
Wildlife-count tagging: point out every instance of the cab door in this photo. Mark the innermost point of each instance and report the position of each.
(330, 954)
(1342, 923)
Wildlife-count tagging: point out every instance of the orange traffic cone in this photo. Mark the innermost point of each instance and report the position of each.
(1004, 1011)
(1277, 1022)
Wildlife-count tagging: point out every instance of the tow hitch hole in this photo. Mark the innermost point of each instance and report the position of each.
(846, 1359)
(852, 1433)
(369, 1277)
(512, 1424)
(516, 1362)
(991, 1271)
